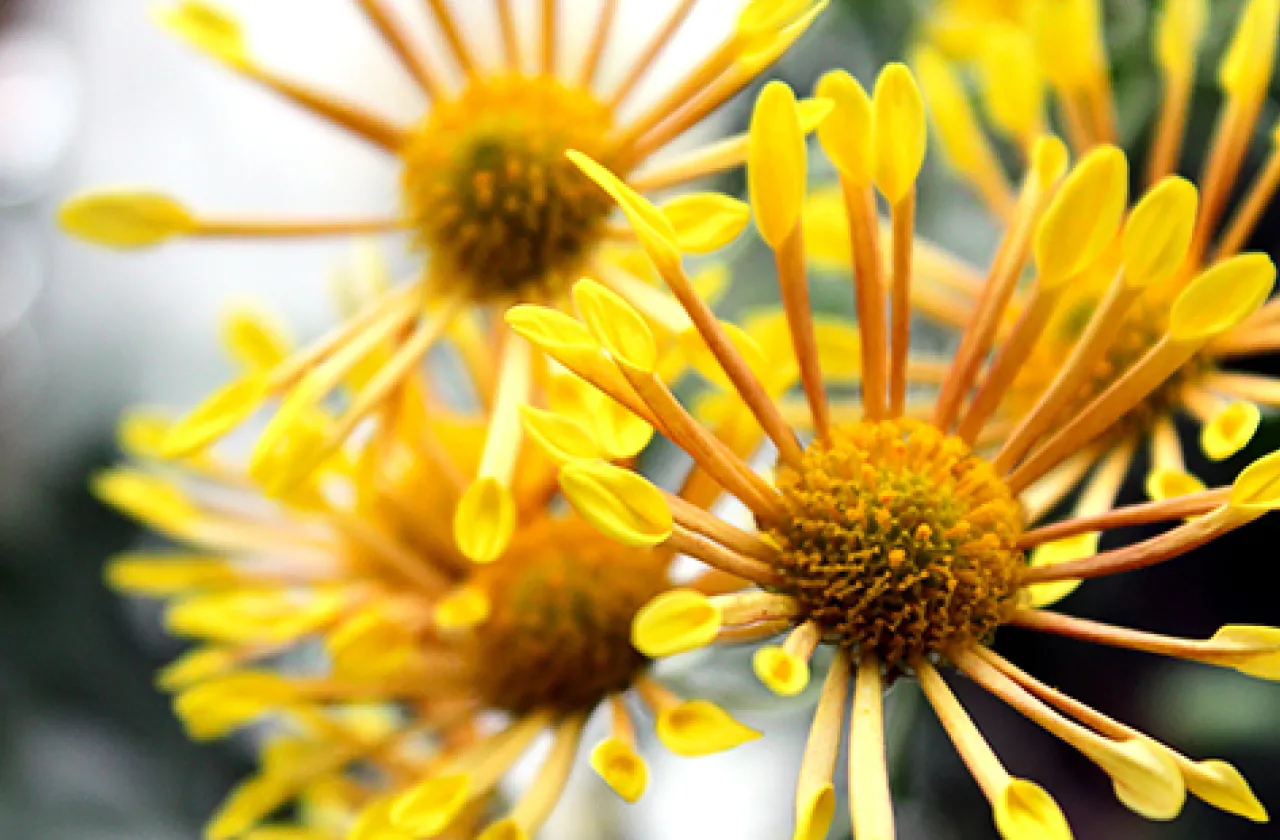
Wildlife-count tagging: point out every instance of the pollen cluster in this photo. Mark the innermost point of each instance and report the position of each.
(489, 193)
(899, 540)
(559, 632)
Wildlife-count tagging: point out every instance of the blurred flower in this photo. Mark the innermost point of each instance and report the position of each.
(897, 540)
(1106, 319)
(344, 612)
(959, 26)
(488, 201)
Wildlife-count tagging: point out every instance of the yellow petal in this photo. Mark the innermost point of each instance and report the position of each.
(1068, 38)
(291, 448)
(706, 222)
(218, 414)
(814, 813)
(656, 234)
(1257, 488)
(370, 645)
(621, 434)
(250, 802)
(675, 622)
(776, 163)
(710, 282)
(764, 17)
(615, 324)
(845, 135)
(463, 609)
(1258, 649)
(1222, 786)
(254, 339)
(485, 520)
(205, 27)
(213, 709)
(1158, 233)
(430, 807)
(550, 329)
(1145, 778)
(899, 134)
(374, 822)
(159, 576)
(813, 112)
(1084, 217)
(504, 829)
(296, 832)
(1230, 430)
(1221, 297)
(955, 124)
(1178, 31)
(125, 219)
(784, 673)
(301, 407)
(621, 768)
(697, 727)
(757, 53)
(571, 397)
(1024, 811)
(196, 666)
(1247, 63)
(561, 438)
(252, 615)
(1059, 551)
(141, 433)
(839, 348)
(1170, 484)
(151, 500)
(1012, 85)
(620, 503)
(1049, 161)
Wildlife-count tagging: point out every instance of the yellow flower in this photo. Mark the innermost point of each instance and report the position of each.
(900, 534)
(1051, 63)
(493, 209)
(345, 613)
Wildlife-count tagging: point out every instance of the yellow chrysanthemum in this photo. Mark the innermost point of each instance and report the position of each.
(1052, 61)
(345, 613)
(900, 535)
(487, 198)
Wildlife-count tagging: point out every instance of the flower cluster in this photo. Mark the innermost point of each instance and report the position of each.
(493, 208)
(403, 596)
(344, 613)
(904, 542)
(1050, 57)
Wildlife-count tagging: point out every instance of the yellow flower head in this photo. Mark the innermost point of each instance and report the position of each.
(1050, 65)
(344, 612)
(903, 534)
(491, 205)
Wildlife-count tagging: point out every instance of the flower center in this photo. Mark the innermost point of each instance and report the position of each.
(559, 632)
(1143, 327)
(899, 540)
(489, 193)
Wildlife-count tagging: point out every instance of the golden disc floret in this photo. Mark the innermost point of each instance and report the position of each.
(488, 191)
(559, 633)
(898, 540)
